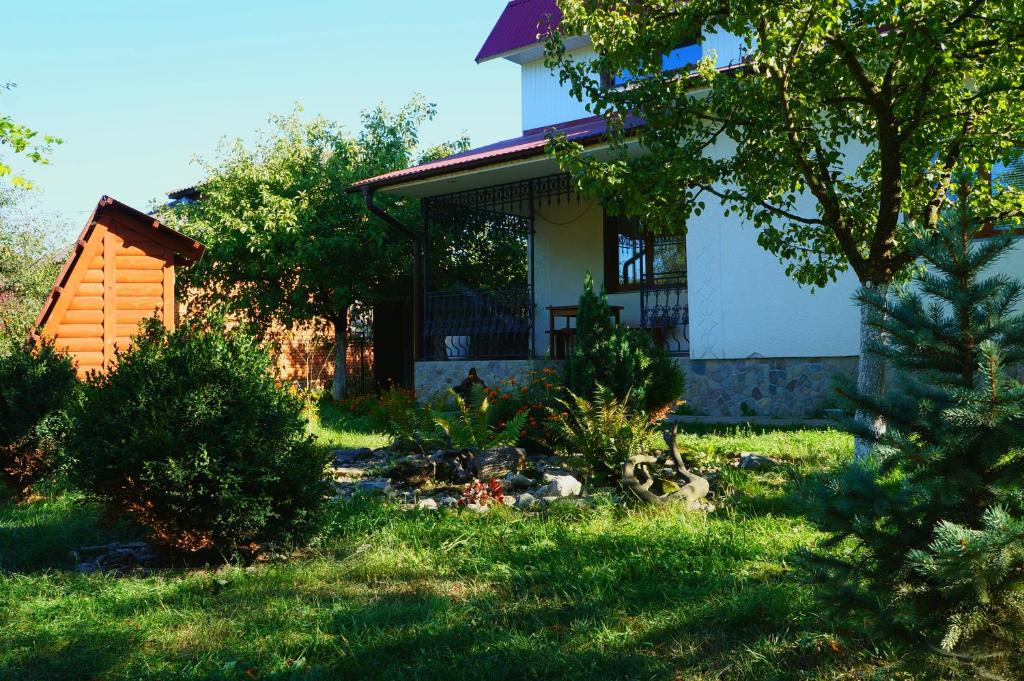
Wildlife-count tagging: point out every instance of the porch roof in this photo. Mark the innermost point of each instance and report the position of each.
(530, 145)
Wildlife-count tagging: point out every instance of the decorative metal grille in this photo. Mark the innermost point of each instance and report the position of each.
(478, 269)
(664, 303)
(478, 324)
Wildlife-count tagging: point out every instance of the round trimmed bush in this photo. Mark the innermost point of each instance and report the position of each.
(37, 384)
(192, 436)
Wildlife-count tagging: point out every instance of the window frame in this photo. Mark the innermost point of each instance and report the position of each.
(608, 80)
(612, 230)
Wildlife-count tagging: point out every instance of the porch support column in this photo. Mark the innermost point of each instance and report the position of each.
(531, 267)
(417, 266)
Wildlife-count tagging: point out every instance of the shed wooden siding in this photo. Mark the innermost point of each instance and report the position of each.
(120, 272)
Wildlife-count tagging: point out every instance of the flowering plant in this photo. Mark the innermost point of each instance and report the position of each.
(482, 494)
(535, 398)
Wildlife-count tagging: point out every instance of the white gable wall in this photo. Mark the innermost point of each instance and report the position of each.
(545, 101)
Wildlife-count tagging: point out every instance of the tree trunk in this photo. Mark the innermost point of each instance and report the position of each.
(870, 378)
(338, 385)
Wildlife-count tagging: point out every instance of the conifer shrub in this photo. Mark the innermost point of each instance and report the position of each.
(37, 386)
(191, 435)
(926, 536)
(626, 361)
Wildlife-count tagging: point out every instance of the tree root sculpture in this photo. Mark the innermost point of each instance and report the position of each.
(638, 478)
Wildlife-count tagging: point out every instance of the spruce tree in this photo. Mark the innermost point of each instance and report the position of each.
(923, 534)
(626, 361)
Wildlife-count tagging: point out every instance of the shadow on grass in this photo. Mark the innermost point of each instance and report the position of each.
(38, 536)
(414, 596)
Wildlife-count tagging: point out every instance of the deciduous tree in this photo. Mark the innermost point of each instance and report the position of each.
(22, 140)
(285, 243)
(836, 136)
(29, 262)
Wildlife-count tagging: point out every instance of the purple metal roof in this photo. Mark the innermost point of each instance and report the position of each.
(523, 23)
(532, 143)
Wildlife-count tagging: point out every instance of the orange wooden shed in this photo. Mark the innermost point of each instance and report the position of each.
(120, 271)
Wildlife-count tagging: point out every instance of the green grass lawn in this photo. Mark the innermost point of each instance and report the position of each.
(607, 593)
(337, 429)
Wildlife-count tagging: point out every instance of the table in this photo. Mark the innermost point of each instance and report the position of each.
(562, 339)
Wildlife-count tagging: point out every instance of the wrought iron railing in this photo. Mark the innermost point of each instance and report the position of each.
(478, 324)
(665, 311)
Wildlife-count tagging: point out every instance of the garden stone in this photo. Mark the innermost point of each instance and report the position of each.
(346, 456)
(374, 487)
(448, 502)
(520, 482)
(752, 461)
(427, 505)
(412, 470)
(478, 508)
(497, 463)
(509, 501)
(562, 485)
(548, 500)
(526, 501)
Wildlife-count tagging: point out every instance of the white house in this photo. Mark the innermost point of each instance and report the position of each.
(749, 338)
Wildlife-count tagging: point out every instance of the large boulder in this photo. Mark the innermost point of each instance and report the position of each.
(497, 463)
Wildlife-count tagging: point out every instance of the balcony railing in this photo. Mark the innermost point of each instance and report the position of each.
(665, 311)
(478, 324)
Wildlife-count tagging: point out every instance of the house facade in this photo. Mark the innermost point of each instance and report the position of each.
(750, 340)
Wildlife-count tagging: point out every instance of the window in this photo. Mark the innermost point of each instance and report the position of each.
(684, 57)
(630, 255)
(1004, 175)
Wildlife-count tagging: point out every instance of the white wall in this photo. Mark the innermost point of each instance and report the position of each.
(569, 243)
(545, 100)
(741, 302)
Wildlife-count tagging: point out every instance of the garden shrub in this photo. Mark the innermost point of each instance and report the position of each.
(598, 435)
(37, 385)
(191, 435)
(626, 361)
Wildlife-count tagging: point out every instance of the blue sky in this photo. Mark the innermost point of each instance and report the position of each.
(138, 89)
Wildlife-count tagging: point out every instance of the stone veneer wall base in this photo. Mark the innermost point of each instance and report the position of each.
(777, 387)
(787, 387)
(437, 377)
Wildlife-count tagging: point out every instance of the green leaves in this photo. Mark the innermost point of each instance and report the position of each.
(192, 436)
(469, 424)
(285, 242)
(930, 525)
(23, 140)
(836, 134)
(625, 360)
(29, 264)
(599, 434)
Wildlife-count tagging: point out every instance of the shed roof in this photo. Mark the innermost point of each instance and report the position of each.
(522, 23)
(184, 247)
(531, 143)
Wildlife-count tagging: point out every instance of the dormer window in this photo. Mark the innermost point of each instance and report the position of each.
(683, 58)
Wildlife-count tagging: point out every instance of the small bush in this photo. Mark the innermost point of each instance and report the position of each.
(192, 436)
(598, 435)
(37, 385)
(628, 362)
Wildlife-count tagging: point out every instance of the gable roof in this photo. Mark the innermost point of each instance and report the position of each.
(523, 23)
(531, 143)
(185, 248)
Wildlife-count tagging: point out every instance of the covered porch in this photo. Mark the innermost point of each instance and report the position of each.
(503, 267)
